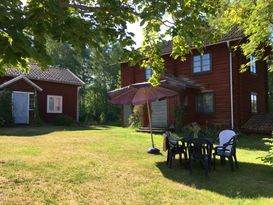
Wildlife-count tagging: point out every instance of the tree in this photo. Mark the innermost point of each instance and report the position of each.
(255, 19)
(189, 23)
(25, 28)
(98, 70)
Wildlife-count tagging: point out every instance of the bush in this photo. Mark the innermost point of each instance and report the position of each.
(102, 118)
(64, 120)
(135, 119)
(268, 158)
(6, 118)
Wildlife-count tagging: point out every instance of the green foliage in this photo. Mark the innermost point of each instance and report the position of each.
(96, 23)
(179, 114)
(135, 119)
(100, 73)
(102, 118)
(6, 118)
(26, 29)
(64, 120)
(270, 91)
(255, 19)
(268, 158)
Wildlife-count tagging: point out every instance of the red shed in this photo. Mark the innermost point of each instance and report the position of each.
(51, 92)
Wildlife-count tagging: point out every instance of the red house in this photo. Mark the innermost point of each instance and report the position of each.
(210, 86)
(56, 91)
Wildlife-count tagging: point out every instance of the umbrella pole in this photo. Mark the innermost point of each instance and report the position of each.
(150, 122)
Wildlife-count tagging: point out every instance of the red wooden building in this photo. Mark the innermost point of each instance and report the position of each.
(210, 86)
(56, 91)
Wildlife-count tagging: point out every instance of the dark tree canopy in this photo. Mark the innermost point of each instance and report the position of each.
(24, 29)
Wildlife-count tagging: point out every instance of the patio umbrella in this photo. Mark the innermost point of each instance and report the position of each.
(141, 93)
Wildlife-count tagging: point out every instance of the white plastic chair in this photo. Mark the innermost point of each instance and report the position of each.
(225, 136)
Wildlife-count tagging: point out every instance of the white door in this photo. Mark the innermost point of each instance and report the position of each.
(159, 113)
(20, 107)
(127, 111)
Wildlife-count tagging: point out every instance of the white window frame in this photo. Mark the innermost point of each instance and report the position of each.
(201, 63)
(253, 66)
(61, 107)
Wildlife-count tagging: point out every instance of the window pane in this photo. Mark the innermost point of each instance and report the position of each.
(51, 104)
(253, 102)
(205, 103)
(31, 102)
(57, 104)
(206, 67)
(199, 103)
(252, 64)
(196, 58)
(206, 57)
(196, 64)
(148, 73)
(208, 102)
(206, 62)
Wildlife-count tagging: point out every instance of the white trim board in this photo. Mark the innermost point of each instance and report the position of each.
(20, 77)
(47, 104)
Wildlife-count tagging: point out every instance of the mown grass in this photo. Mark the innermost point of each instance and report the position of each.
(109, 165)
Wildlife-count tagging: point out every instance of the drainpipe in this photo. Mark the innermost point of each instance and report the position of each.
(231, 85)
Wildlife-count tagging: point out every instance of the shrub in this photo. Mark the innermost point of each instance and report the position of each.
(64, 120)
(102, 118)
(135, 119)
(6, 118)
(268, 158)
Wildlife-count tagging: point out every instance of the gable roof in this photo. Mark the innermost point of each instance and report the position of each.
(233, 35)
(52, 74)
(20, 77)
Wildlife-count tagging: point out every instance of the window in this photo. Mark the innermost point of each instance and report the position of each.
(31, 101)
(205, 103)
(252, 65)
(253, 99)
(54, 104)
(201, 63)
(148, 73)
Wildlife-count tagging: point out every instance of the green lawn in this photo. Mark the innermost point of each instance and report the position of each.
(109, 165)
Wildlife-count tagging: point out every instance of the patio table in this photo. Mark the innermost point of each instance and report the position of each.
(186, 140)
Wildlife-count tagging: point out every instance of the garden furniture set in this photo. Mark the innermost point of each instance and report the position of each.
(202, 149)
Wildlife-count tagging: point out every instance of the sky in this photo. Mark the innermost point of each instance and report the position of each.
(137, 30)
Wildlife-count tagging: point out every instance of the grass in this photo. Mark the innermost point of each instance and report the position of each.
(109, 165)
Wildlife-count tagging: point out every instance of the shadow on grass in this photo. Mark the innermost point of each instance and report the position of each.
(249, 181)
(30, 131)
(252, 142)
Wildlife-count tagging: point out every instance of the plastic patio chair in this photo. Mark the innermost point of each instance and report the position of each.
(173, 148)
(226, 148)
(201, 150)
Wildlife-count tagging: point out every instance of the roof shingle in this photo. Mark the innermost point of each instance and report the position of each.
(234, 34)
(52, 74)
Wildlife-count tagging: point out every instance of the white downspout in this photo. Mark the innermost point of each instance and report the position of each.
(231, 85)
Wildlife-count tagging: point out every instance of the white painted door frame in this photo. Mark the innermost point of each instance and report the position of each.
(27, 102)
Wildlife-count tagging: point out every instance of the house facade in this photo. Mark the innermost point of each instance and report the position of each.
(51, 92)
(222, 96)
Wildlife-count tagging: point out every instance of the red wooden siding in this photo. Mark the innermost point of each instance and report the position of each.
(244, 84)
(68, 92)
(216, 81)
